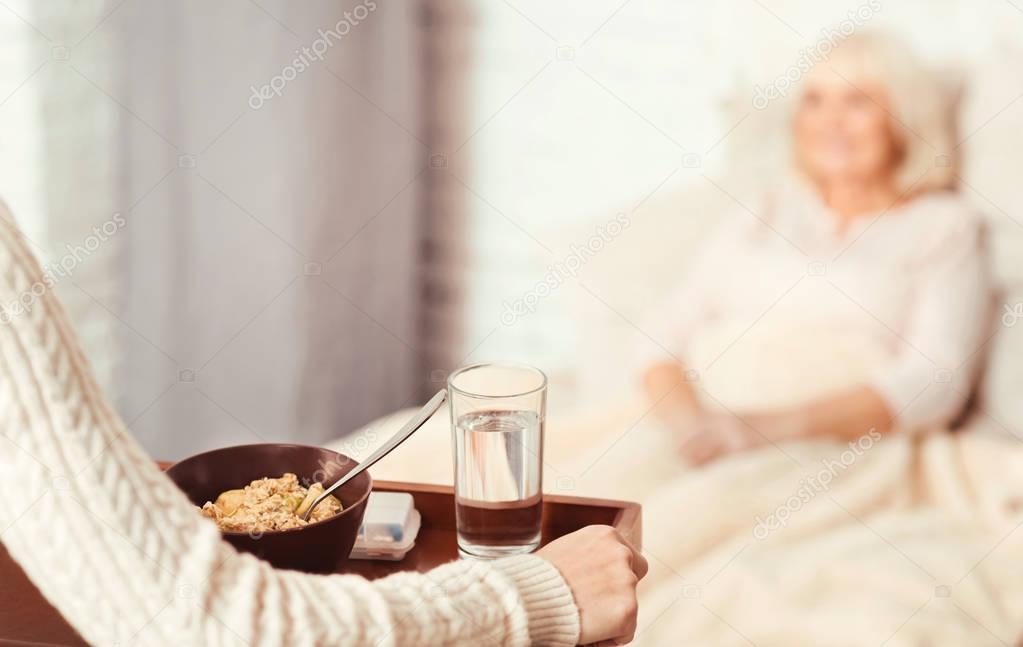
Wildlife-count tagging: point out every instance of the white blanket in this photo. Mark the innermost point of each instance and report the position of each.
(912, 542)
(894, 540)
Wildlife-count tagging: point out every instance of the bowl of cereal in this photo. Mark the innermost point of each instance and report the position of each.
(258, 494)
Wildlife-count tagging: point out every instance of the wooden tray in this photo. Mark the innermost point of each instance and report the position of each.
(26, 616)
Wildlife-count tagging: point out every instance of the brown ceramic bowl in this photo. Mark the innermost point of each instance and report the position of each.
(320, 547)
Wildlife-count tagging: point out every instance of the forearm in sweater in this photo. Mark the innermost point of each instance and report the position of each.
(121, 552)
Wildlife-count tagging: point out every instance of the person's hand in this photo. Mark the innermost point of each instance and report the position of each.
(602, 569)
(705, 436)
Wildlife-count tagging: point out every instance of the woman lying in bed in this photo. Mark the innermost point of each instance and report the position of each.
(851, 299)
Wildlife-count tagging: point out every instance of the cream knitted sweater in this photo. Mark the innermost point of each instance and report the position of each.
(118, 549)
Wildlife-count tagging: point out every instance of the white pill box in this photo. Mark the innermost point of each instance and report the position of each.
(389, 527)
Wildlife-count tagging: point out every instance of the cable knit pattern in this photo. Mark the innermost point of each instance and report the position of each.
(120, 551)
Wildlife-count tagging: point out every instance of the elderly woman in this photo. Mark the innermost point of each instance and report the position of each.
(853, 299)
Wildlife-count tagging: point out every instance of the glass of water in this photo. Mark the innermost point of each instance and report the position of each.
(497, 421)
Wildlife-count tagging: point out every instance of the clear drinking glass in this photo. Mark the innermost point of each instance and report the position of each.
(497, 422)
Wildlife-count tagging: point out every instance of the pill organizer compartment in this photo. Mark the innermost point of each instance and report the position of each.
(389, 527)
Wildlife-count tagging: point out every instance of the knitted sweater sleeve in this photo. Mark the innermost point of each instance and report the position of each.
(122, 554)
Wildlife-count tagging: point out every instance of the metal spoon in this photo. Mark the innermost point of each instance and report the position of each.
(410, 428)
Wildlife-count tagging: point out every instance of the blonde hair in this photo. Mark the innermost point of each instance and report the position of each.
(921, 113)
